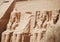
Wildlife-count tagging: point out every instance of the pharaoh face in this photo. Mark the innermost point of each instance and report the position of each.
(18, 15)
(38, 14)
(55, 17)
(42, 15)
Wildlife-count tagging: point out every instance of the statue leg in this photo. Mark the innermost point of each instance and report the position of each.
(19, 38)
(31, 38)
(3, 37)
(8, 36)
(38, 37)
(14, 37)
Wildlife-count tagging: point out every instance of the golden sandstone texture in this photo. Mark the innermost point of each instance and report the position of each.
(43, 26)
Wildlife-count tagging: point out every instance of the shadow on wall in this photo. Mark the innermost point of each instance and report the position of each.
(4, 20)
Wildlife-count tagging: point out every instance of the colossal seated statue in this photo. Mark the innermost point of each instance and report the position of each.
(53, 30)
(26, 24)
(11, 26)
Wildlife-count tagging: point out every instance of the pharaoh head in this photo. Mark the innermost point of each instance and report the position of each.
(55, 16)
